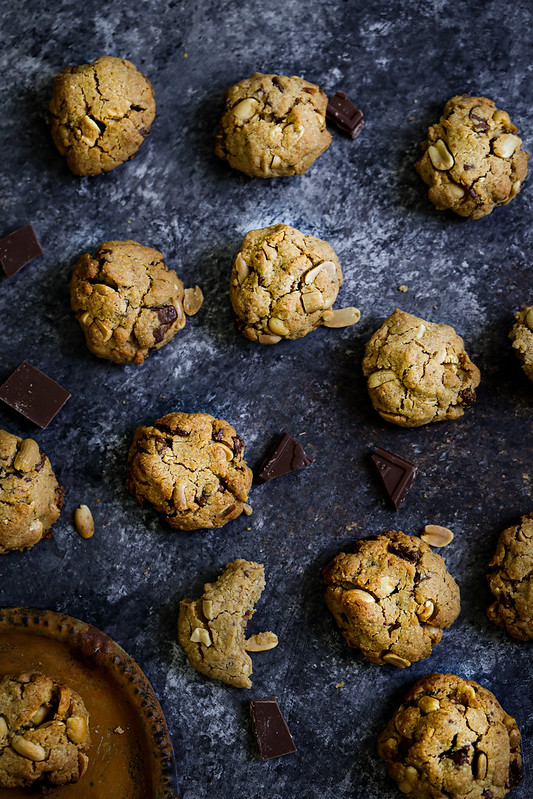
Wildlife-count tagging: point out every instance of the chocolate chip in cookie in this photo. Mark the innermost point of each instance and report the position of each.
(273, 126)
(473, 160)
(100, 114)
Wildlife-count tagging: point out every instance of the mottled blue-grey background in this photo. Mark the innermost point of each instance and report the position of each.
(399, 62)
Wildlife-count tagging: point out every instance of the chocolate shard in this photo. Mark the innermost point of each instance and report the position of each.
(344, 114)
(396, 474)
(270, 729)
(18, 249)
(33, 394)
(287, 456)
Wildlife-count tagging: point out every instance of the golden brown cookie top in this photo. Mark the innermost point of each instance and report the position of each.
(511, 580)
(211, 629)
(190, 467)
(473, 159)
(128, 302)
(451, 737)
(45, 730)
(418, 371)
(522, 338)
(30, 496)
(100, 114)
(283, 284)
(392, 598)
(273, 125)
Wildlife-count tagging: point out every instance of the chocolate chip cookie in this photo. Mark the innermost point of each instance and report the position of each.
(273, 126)
(511, 580)
(190, 467)
(128, 302)
(44, 733)
(522, 338)
(283, 284)
(473, 159)
(451, 738)
(30, 496)
(211, 629)
(100, 114)
(418, 371)
(392, 598)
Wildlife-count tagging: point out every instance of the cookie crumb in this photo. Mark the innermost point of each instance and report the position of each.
(119, 731)
(402, 288)
(339, 684)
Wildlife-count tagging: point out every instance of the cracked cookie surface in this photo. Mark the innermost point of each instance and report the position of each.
(273, 126)
(283, 284)
(30, 496)
(44, 732)
(473, 159)
(418, 371)
(128, 302)
(392, 598)
(451, 739)
(190, 467)
(522, 338)
(511, 580)
(211, 629)
(100, 114)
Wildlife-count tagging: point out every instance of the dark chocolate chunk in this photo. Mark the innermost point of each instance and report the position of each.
(404, 553)
(166, 314)
(468, 396)
(33, 394)
(515, 774)
(343, 113)
(279, 85)
(270, 729)
(397, 474)
(288, 456)
(460, 756)
(18, 249)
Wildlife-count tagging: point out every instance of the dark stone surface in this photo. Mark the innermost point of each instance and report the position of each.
(396, 61)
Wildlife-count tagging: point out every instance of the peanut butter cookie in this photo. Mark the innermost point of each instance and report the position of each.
(473, 159)
(522, 338)
(418, 371)
(30, 496)
(44, 732)
(283, 284)
(100, 114)
(211, 629)
(511, 580)
(190, 467)
(273, 126)
(128, 302)
(451, 738)
(392, 598)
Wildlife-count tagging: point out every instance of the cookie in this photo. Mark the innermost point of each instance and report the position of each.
(473, 159)
(190, 467)
(418, 371)
(273, 126)
(283, 284)
(392, 598)
(522, 338)
(451, 738)
(511, 580)
(100, 114)
(211, 629)
(128, 302)
(44, 733)
(30, 496)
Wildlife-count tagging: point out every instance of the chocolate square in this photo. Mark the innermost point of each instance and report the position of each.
(396, 474)
(287, 456)
(33, 394)
(18, 249)
(270, 729)
(345, 115)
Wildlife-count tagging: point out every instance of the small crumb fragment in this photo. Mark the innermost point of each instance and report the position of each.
(185, 55)
(410, 119)
(402, 288)
(123, 402)
(146, 570)
(415, 101)
(119, 731)
(339, 684)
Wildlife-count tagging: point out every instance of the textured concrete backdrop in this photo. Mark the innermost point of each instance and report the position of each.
(399, 62)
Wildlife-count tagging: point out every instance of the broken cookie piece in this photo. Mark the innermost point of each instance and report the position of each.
(211, 629)
(392, 598)
(100, 114)
(44, 733)
(283, 284)
(190, 467)
(451, 738)
(473, 160)
(418, 371)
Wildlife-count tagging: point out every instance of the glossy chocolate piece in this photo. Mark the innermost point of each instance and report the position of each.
(396, 474)
(33, 394)
(18, 249)
(270, 729)
(345, 115)
(288, 456)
